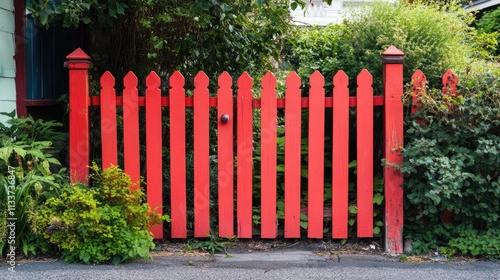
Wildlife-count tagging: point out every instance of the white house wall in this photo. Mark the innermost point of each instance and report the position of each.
(319, 13)
(7, 63)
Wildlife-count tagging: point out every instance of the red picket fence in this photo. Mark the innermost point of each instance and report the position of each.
(242, 121)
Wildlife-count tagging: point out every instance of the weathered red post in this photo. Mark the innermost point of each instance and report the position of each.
(392, 61)
(78, 63)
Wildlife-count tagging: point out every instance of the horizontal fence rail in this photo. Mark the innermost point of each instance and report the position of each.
(236, 142)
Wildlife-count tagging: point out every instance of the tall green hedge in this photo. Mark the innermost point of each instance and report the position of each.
(434, 38)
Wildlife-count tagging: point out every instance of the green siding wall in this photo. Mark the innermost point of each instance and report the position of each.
(7, 64)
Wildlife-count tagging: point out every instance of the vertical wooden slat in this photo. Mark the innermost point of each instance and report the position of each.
(177, 98)
(108, 121)
(268, 156)
(393, 138)
(154, 149)
(78, 63)
(244, 156)
(450, 82)
(225, 155)
(364, 126)
(131, 128)
(293, 118)
(316, 155)
(340, 160)
(201, 156)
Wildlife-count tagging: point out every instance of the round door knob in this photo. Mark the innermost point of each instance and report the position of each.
(224, 118)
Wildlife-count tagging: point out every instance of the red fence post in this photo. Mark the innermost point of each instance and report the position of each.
(392, 61)
(78, 63)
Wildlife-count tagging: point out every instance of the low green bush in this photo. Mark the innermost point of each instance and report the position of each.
(475, 243)
(105, 223)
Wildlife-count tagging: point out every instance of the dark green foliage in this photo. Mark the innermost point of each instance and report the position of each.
(71, 13)
(489, 22)
(105, 223)
(452, 160)
(143, 35)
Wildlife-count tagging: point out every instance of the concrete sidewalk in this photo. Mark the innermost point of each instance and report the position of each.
(283, 264)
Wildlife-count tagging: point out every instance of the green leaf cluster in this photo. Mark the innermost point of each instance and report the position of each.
(475, 243)
(30, 144)
(70, 13)
(212, 244)
(107, 222)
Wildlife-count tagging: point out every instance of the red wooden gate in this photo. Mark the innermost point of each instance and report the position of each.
(237, 166)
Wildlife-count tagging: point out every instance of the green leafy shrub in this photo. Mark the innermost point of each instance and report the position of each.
(452, 161)
(28, 156)
(30, 144)
(105, 223)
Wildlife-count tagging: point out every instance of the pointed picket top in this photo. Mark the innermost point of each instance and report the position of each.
(78, 54)
(317, 80)
(393, 51)
(450, 81)
(201, 80)
(130, 80)
(269, 80)
(365, 79)
(293, 80)
(177, 80)
(340, 79)
(107, 80)
(225, 80)
(418, 89)
(245, 81)
(153, 80)
(418, 80)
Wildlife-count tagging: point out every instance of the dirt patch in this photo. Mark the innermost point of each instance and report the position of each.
(360, 247)
(321, 247)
